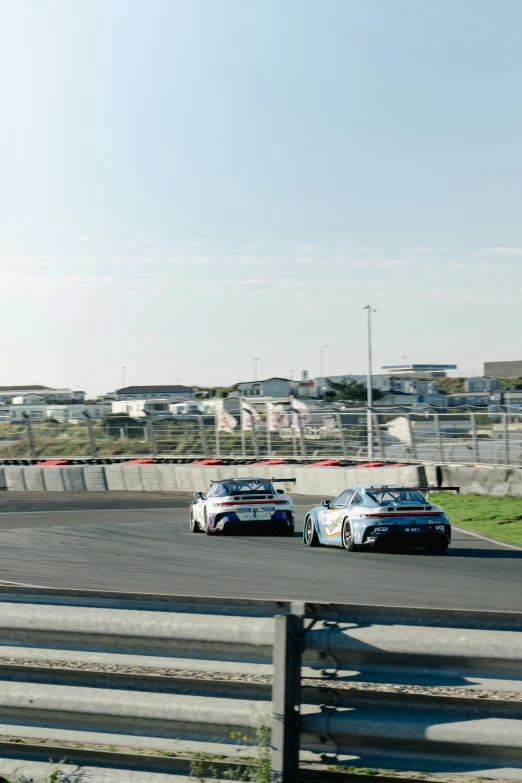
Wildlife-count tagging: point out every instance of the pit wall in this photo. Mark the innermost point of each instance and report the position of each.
(326, 481)
(196, 478)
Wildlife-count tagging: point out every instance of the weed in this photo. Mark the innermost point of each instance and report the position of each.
(256, 770)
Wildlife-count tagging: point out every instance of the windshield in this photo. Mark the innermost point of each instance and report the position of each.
(397, 496)
(248, 487)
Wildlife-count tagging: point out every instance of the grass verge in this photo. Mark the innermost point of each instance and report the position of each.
(496, 517)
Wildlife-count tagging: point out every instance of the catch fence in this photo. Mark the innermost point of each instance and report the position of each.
(394, 435)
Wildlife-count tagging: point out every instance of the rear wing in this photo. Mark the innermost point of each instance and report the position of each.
(290, 481)
(384, 488)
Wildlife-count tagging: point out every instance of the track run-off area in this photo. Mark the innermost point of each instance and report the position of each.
(140, 542)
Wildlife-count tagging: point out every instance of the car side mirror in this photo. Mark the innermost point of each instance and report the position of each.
(198, 494)
(326, 503)
(280, 492)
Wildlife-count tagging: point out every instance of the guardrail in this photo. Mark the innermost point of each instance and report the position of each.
(360, 685)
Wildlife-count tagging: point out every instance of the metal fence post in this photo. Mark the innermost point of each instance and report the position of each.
(412, 440)
(301, 437)
(506, 439)
(255, 440)
(152, 436)
(474, 436)
(92, 439)
(216, 433)
(439, 436)
(204, 441)
(30, 436)
(378, 434)
(286, 696)
(341, 434)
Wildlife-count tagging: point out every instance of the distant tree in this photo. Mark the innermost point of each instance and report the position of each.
(213, 391)
(350, 391)
(115, 422)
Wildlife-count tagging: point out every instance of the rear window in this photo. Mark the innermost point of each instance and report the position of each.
(248, 488)
(397, 497)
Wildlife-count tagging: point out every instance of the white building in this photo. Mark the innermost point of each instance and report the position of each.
(29, 399)
(271, 387)
(50, 395)
(71, 414)
(138, 409)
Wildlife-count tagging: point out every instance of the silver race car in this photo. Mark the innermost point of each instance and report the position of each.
(379, 515)
(243, 502)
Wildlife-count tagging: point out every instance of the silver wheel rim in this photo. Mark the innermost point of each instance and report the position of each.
(309, 530)
(347, 533)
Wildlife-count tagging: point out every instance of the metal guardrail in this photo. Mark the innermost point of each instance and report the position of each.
(335, 671)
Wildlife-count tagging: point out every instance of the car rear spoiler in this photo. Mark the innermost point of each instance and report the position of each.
(291, 481)
(382, 487)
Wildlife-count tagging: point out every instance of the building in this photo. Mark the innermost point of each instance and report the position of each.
(427, 370)
(29, 399)
(271, 387)
(503, 369)
(404, 384)
(174, 392)
(482, 385)
(138, 409)
(72, 414)
(382, 383)
(7, 393)
(474, 399)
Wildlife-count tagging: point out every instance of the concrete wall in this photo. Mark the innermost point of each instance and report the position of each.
(477, 480)
(196, 478)
(309, 480)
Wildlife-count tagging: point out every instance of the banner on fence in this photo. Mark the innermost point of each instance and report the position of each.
(225, 421)
(275, 417)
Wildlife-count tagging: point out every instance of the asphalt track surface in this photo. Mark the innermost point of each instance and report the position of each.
(141, 543)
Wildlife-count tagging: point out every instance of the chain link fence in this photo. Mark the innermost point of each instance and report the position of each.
(396, 436)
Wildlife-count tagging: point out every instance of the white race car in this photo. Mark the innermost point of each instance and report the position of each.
(243, 502)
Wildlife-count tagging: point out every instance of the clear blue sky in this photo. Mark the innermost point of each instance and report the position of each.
(189, 184)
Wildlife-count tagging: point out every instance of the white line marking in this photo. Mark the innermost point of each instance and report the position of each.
(487, 538)
(89, 510)
(24, 584)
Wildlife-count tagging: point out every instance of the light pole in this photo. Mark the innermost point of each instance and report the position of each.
(255, 369)
(321, 363)
(123, 377)
(369, 424)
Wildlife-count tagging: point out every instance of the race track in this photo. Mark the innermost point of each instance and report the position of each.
(141, 542)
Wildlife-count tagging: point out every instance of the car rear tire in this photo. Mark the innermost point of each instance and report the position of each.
(208, 529)
(310, 537)
(194, 527)
(347, 536)
(287, 531)
(437, 547)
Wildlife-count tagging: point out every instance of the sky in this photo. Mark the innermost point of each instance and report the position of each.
(189, 185)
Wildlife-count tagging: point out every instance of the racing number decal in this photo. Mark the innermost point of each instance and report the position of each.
(331, 522)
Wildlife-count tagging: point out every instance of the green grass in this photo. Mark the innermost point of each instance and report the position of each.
(496, 517)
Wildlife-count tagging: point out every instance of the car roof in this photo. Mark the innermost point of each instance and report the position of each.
(395, 487)
(238, 479)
